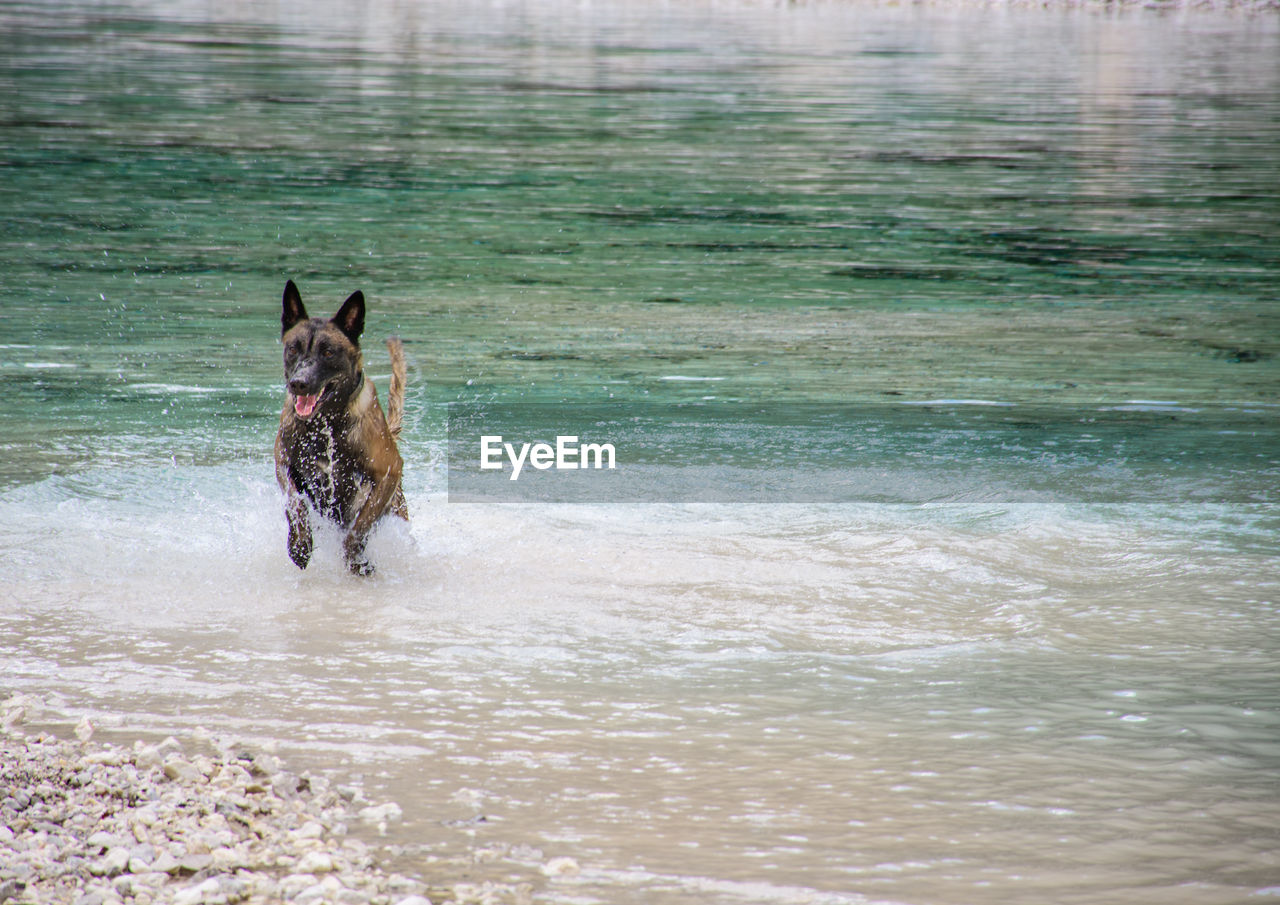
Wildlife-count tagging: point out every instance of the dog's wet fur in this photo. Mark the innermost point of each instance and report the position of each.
(336, 451)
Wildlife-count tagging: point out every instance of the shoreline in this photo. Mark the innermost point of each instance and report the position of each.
(94, 823)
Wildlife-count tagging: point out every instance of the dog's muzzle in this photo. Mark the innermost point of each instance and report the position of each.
(305, 403)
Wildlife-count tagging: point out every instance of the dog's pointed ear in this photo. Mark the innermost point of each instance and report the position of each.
(293, 312)
(350, 317)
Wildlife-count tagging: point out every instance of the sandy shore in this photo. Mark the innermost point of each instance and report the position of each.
(89, 823)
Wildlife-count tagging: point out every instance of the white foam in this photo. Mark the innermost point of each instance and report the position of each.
(166, 388)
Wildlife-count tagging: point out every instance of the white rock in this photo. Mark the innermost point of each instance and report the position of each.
(260, 884)
(103, 839)
(117, 860)
(561, 867)
(195, 862)
(154, 879)
(147, 756)
(315, 863)
(290, 886)
(268, 764)
(381, 813)
(467, 892)
(414, 900)
(231, 775)
(317, 784)
(181, 770)
(401, 883)
(84, 729)
(207, 891)
(220, 838)
(111, 864)
(227, 859)
(312, 893)
(233, 888)
(165, 862)
(309, 830)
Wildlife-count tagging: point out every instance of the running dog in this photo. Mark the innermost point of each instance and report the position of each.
(336, 452)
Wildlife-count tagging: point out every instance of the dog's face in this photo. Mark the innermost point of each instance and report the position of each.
(321, 358)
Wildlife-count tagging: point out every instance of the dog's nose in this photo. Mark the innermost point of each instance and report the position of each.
(297, 387)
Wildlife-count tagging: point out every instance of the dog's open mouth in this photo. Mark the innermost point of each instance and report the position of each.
(305, 405)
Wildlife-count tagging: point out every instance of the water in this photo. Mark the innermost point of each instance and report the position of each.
(1031, 254)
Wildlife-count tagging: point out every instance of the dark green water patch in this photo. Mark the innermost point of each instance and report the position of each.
(705, 212)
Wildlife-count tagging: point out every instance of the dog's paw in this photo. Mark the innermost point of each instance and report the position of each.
(353, 552)
(300, 554)
(300, 544)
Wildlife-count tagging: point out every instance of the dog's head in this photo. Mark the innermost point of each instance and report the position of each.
(322, 362)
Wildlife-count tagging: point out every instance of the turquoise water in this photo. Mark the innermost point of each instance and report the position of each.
(1002, 282)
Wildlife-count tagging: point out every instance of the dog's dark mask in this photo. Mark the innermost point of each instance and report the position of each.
(322, 363)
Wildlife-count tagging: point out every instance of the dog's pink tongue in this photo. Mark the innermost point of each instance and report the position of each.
(305, 405)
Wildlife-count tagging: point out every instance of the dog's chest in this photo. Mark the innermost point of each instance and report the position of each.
(330, 478)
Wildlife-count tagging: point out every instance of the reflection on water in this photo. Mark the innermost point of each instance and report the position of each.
(1000, 678)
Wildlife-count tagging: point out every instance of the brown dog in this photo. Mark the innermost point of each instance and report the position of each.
(336, 451)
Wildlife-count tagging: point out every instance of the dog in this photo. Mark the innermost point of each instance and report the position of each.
(336, 451)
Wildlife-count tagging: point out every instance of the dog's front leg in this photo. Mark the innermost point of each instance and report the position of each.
(353, 544)
(353, 549)
(375, 506)
(297, 513)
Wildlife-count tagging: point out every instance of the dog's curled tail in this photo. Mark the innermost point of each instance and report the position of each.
(395, 398)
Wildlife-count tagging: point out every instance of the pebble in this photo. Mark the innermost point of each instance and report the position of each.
(193, 864)
(309, 830)
(561, 867)
(381, 813)
(112, 864)
(183, 771)
(207, 891)
(290, 886)
(315, 863)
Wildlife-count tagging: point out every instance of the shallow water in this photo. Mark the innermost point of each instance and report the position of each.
(1004, 280)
